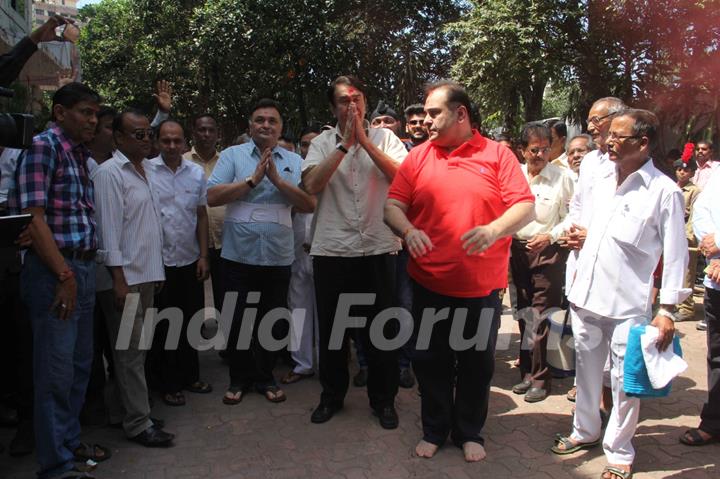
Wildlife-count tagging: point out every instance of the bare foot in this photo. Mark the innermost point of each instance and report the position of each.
(425, 449)
(473, 451)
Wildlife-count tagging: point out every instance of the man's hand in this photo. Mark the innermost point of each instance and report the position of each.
(121, 290)
(65, 76)
(260, 169)
(575, 238)
(163, 97)
(713, 270)
(270, 167)
(538, 243)
(667, 330)
(202, 272)
(46, 31)
(25, 239)
(351, 127)
(478, 239)
(418, 243)
(65, 298)
(708, 247)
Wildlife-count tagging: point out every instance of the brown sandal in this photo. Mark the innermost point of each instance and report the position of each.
(174, 399)
(293, 377)
(233, 395)
(274, 394)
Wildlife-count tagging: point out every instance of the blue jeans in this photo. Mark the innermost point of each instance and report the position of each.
(62, 357)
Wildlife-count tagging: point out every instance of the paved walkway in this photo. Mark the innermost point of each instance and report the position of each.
(257, 439)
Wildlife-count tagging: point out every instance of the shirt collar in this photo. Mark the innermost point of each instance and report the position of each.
(544, 173)
(646, 172)
(158, 161)
(66, 143)
(195, 156)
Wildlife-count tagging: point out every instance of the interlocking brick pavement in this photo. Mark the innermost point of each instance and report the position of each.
(257, 439)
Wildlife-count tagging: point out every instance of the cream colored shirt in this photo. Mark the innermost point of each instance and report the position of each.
(216, 214)
(553, 189)
(348, 218)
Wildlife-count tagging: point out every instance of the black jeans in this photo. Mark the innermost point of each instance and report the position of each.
(367, 274)
(178, 367)
(218, 290)
(253, 366)
(454, 399)
(710, 415)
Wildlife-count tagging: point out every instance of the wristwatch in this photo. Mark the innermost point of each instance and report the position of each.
(667, 314)
(342, 148)
(250, 182)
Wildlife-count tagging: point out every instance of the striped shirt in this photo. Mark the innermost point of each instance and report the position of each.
(257, 243)
(53, 174)
(128, 221)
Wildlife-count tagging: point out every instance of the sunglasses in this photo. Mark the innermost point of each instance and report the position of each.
(415, 122)
(140, 134)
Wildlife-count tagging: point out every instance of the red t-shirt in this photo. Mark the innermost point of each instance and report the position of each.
(447, 195)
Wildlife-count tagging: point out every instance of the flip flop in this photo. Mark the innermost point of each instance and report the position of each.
(199, 387)
(695, 439)
(236, 396)
(174, 399)
(277, 394)
(293, 377)
(569, 446)
(622, 474)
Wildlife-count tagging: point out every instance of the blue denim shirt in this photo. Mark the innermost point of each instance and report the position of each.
(262, 244)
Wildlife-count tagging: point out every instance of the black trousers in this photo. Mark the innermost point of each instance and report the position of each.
(538, 279)
(217, 277)
(178, 367)
(455, 385)
(710, 415)
(253, 366)
(367, 274)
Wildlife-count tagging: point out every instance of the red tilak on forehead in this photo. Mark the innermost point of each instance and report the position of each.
(352, 90)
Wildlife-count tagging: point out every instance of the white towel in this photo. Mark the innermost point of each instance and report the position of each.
(661, 366)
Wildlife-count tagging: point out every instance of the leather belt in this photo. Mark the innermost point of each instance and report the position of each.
(79, 254)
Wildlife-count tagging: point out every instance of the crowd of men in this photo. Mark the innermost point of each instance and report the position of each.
(126, 217)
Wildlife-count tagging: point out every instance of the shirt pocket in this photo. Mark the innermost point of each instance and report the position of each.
(628, 229)
(544, 209)
(189, 199)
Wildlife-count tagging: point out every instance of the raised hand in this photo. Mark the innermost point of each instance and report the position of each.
(163, 97)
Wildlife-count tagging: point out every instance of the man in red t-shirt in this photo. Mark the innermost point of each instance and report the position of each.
(455, 200)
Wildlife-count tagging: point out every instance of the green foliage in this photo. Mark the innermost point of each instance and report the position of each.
(222, 55)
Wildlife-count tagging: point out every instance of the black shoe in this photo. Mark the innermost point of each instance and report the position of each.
(407, 380)
(388, 417)
(360, 379)
(157, 422)
(522, 387)
(323, 413)
(154, 437)
(24, 441)
(535, 395)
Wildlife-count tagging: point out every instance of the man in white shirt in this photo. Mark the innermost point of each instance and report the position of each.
(131, 237)
(182, 199)
(350, 168)
(706, 164)
(642, 218)
(706, 225)
(537, 261)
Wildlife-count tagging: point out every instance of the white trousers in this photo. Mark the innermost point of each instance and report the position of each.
(594, 337)
(301, 301)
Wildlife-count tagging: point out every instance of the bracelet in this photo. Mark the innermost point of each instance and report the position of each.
(66, 275)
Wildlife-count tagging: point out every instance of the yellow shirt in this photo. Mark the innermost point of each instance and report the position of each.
(216, 214)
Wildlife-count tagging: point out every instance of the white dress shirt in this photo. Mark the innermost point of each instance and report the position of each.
(706, 216)
(179, 193)
(632, 226)
(553, 189)
(128, 222)
(349, 215)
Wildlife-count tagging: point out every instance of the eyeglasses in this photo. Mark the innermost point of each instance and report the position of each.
(539, 151)
(415, 122)
(597, 119)
(615, 137)
(140, 134)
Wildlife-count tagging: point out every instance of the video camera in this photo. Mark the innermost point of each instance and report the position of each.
(16, 129)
